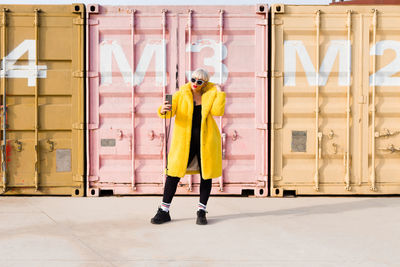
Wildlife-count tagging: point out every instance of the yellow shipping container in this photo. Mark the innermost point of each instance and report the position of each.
(335, 100)
(42, 104)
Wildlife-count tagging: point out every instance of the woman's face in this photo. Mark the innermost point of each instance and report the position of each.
(197, 84)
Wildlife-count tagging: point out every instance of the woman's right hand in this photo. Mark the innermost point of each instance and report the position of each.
(165, 107)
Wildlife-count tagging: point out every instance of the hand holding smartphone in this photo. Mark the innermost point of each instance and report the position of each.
(167, 106)
(169, 99)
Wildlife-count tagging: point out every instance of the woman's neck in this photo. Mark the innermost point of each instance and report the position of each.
(196, 92)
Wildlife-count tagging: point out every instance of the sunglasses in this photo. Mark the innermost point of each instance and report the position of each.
(199, 82)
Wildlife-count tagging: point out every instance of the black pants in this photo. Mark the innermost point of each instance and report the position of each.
(171, 182)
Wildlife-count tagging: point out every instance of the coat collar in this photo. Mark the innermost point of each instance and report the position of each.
(206, 98)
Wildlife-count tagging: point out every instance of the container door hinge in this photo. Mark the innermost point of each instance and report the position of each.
(262, 74)
(78, 74)
(92, 74)
(261, 180)
(93, 22)
(92, 126)
(93, 178)
(277, 126)
(276, 74)
(262, 126)
(78, 126)
(277, 22)
(78, 21)
(262, 22)
(77, 178)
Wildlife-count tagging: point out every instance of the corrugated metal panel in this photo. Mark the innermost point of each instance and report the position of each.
(126, 40)
(42, 52)
(335, 110)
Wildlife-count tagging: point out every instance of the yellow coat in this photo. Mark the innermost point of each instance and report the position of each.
(212, 104)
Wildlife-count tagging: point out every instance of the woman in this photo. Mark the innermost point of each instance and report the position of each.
(196, 141)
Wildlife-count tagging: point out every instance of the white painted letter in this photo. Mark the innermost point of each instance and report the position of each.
(110, 48)
(213, 61)
(30, 71)
(107, 49)
(383, 77)
(336, 47)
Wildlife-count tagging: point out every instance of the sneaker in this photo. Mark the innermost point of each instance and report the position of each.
(201, 217)
(161, 217)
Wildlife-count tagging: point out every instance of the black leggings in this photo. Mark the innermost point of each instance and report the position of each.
(171, 182)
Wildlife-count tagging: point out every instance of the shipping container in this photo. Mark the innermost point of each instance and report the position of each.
(335, 113)
(136, 55)
(42, 99)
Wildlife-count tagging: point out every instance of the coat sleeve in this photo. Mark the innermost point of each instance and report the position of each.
(218, 106)
(175, 101)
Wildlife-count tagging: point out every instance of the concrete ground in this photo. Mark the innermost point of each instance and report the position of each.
(116, 231)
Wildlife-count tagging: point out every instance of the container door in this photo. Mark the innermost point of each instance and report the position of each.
(42, 100)
(233, 48)
(382, 136)
(312, 119)
(126, 138)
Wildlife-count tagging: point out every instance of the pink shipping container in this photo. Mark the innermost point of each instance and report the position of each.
(136, 55)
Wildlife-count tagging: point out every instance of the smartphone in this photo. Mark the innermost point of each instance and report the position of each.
(169, 99)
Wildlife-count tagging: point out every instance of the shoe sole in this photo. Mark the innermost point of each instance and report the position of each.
(155, 222)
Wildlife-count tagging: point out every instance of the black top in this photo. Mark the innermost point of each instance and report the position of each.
(196, 120)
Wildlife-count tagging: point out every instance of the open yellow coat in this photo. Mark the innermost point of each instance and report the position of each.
(212, 104)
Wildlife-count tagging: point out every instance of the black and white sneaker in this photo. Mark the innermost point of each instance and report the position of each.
(201, 217)
(161, 217)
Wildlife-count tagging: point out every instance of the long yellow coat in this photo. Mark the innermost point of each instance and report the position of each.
(212, 104)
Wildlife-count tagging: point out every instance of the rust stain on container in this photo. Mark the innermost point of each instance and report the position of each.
(42, 88)
(339, 83)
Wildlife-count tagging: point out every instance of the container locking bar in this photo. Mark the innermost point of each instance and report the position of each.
(223, 145)
(221, 39)
(4, 109)
(189, 27)
(37, 150)
(133, 78)
(362, 100)
(347, 165)
(164, 47)
(373, 107)
(318, 134)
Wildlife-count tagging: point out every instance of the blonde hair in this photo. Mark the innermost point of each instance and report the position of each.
(201, 74)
